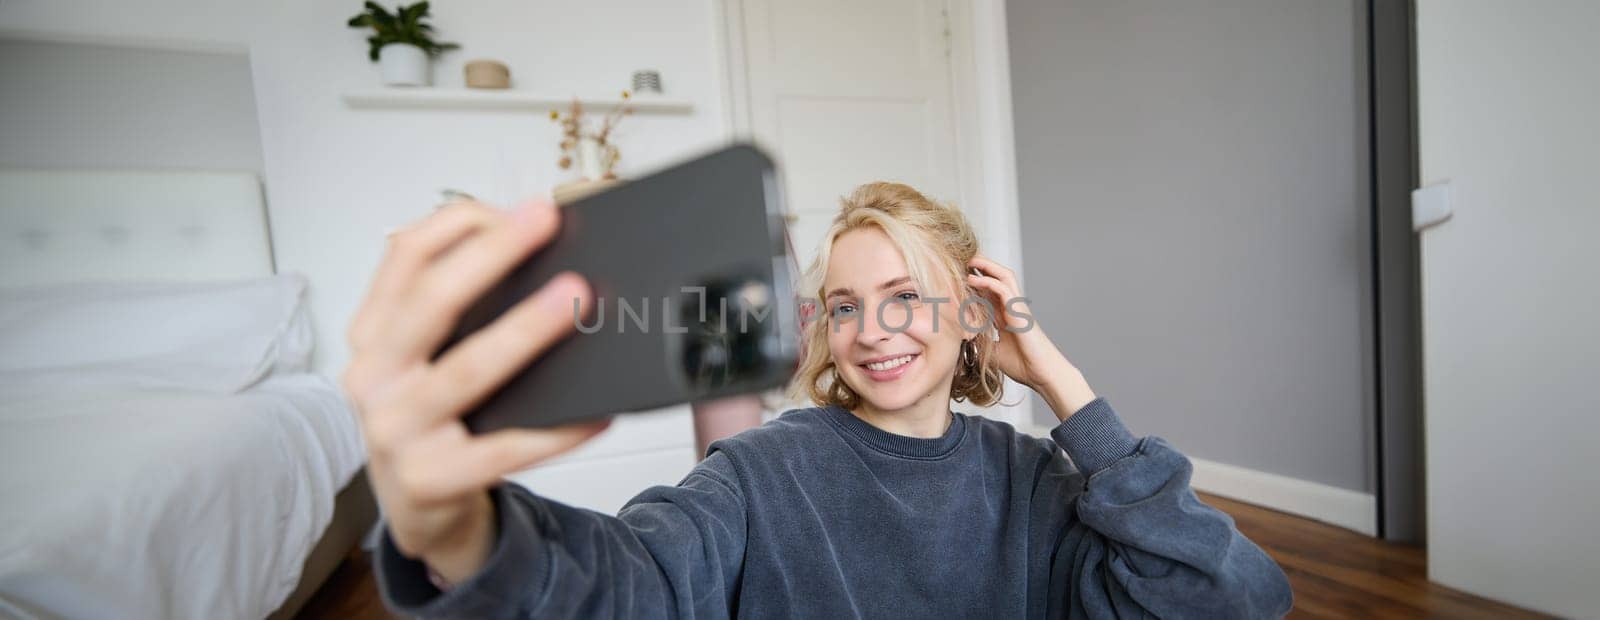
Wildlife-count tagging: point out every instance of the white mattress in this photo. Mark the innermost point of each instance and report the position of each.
(166, 504)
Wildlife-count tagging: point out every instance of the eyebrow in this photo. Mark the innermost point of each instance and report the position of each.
(846, 292)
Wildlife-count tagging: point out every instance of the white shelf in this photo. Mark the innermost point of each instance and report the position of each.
(469, 99)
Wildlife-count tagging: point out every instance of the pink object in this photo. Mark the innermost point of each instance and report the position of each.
(723, 418)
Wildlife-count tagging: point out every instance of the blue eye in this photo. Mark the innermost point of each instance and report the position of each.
(908, 296)
(842, 309)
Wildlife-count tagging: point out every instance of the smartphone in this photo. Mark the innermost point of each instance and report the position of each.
(693, 297)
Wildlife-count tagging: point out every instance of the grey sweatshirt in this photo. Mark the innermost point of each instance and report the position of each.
(818, 514)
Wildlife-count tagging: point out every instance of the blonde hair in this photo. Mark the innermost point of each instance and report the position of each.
(937, 244)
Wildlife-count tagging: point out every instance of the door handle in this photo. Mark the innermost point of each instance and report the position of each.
(1431, 206)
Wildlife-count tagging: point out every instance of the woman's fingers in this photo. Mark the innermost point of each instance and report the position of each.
(990, 285)
(490, 457)
(451, 463)
(464, 273)
(427, 312)
(996, 270)
(483, 361)
(999, 293)
(408, 252)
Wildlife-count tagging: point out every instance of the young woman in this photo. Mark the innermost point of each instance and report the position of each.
(880, 502)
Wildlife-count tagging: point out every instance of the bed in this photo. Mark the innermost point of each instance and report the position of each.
(167, 451)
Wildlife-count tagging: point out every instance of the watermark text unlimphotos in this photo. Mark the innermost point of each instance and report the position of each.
(638, 313)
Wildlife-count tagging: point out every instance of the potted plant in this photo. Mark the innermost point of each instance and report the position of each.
(590, 149)
(401, 43)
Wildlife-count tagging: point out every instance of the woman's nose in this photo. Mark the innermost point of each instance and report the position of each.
(874, 327)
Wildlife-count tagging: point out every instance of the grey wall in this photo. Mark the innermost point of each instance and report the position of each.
(69, 105)
(1194, 195)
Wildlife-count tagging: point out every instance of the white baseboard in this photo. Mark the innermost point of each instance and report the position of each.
(1330, 504)
(1352, 510)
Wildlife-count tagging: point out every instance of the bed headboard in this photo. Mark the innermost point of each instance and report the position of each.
(60, 226)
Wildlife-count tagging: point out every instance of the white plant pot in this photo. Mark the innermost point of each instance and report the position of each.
(403, 64)
(591, 165)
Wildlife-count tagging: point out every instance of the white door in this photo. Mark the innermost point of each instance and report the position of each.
(844, 92)
(1506, 101)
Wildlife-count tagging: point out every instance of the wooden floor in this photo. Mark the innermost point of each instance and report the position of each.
(1335, 573)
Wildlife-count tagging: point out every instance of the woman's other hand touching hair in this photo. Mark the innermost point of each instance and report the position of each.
(1025, 353)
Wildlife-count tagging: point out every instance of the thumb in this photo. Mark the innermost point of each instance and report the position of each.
(485, 459)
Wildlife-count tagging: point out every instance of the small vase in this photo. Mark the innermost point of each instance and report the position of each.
(403, 64)
(591, 160)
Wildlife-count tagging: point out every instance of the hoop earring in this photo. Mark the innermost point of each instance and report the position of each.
(839, 391)
(969, 355)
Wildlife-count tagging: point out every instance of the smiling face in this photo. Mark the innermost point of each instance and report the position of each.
(903, 356)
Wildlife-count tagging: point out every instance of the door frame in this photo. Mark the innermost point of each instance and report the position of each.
(1399, 473)
(986, 152)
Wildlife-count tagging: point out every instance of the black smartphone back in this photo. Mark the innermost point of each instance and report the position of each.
(693, 297)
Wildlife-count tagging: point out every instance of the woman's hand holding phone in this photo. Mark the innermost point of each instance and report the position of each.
(430, 474)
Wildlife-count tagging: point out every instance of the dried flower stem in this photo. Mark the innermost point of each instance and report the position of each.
(573, 131)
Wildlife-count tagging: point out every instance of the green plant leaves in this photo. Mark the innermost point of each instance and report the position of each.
(403, 26)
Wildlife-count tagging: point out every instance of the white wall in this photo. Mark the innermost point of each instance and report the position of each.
(337, 178)
(1508, 94)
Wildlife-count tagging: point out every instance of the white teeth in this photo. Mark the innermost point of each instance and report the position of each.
(894, 363)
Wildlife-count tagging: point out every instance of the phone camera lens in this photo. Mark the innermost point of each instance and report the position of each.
(725, 328)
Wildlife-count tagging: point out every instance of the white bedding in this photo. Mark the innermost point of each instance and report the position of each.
(124, 503)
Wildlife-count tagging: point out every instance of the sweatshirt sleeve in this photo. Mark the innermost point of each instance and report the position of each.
(1144, 544)
(670, 552)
